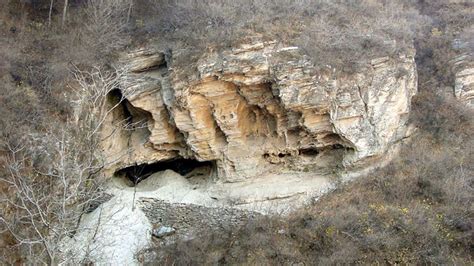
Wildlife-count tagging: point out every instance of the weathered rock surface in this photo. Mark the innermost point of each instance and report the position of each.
(188, 220)
(463, 67)
(120, 228)
(271, 129)
(258, 108)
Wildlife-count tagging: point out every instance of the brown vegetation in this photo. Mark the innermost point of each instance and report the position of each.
(342, 34)
(50, 160)
(418, 209)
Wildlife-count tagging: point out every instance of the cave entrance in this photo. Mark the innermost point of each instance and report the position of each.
(130, 118)
(138, 173)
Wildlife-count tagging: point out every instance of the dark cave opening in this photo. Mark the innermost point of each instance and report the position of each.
(131, 117)
(309, 151)
(138, 173)
(115, 98)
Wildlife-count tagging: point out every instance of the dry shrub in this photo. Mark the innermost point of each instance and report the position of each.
(53, 176)
(436, 49)
(337, 33)
(106, 26)
(49, 165)
(417, 210)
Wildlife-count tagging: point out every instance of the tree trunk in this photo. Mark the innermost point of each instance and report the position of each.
(50, 12)
(65, 11)
(129, 11)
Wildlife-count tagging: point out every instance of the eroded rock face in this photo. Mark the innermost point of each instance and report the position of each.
(463, 67)
(257, 108)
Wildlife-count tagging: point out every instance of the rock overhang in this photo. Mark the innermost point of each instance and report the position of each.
(256, 108)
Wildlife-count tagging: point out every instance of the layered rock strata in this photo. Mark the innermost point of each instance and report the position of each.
(257, 108)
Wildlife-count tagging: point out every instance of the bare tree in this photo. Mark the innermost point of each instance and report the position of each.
(129, 13)
(108, 21)
(66, 2)
(50, 12)
(56, 176)
(91, 90)
(49, 200)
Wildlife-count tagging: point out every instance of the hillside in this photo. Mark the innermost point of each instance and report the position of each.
(236, 132)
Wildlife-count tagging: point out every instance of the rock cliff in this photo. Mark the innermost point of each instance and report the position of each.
(257, 108)
(463, 68)
(252, 128)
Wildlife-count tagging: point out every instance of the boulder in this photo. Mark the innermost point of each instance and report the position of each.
(163, 231)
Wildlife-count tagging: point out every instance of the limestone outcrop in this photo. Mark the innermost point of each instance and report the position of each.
(257, 108)
(463, 68)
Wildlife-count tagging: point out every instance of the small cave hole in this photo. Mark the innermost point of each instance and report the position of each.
(309, 152)
(338, 146)
(115, 98)
(133, 118)
(138, 173)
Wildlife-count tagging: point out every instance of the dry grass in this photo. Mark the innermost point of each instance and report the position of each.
(417, 210)
(40, 203)
(337, 33)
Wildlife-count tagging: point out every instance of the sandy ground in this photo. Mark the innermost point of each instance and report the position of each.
(114, 232)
